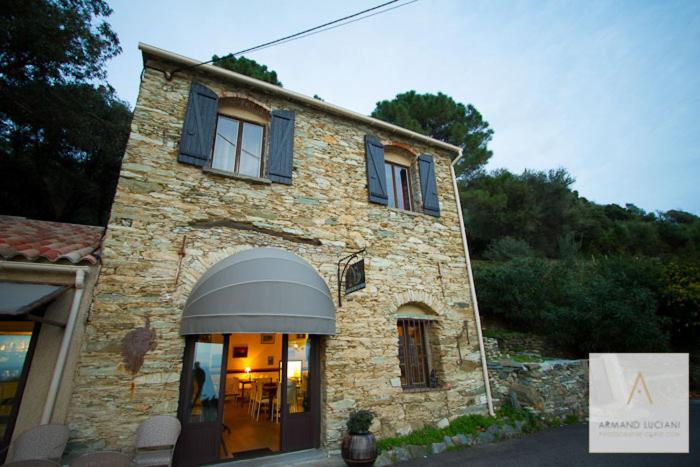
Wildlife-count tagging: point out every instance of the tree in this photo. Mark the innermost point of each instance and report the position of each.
(248, 67)
(62, 128)
(439, 116)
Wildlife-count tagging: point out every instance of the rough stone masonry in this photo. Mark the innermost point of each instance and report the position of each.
(170, 222)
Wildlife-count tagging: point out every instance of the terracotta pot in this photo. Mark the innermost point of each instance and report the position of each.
(359, 449)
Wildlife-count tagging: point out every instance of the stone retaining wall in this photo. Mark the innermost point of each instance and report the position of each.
(552, 388)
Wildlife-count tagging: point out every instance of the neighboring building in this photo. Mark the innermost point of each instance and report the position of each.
(219, 287)
(47, 274)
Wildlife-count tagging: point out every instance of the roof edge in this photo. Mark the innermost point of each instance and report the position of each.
(147, 49)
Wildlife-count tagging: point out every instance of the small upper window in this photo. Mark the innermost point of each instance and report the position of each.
(238, 146)
(398, 183)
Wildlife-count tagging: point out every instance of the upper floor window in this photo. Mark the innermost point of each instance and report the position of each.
(398, 182)
(238, 146)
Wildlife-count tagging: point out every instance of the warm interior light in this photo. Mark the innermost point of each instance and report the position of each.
(247, 370)
(294, 369)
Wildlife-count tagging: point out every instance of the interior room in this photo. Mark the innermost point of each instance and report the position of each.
(251, 409)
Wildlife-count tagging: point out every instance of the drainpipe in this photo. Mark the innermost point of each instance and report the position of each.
(484, 367)
(80, 273)
(65, 345)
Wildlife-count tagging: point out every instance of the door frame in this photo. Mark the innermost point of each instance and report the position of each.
(290, 423)
(190, 429)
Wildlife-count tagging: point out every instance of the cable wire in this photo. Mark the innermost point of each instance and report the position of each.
(301, 34)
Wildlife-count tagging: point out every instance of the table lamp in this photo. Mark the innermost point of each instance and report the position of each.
(247, 370)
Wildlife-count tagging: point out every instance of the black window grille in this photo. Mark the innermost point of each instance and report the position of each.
(413, 353)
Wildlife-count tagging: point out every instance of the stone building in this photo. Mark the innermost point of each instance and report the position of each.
(47, 275)
(236, 201)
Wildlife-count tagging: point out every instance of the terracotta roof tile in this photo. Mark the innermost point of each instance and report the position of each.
(53, 241)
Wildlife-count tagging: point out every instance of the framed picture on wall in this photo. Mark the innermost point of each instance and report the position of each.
(267, 338)
(240, 351)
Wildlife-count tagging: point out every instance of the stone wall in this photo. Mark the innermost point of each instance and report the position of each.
(551, 388)
(515, 342)
(171, 222)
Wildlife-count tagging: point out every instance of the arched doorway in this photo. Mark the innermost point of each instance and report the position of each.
(273, 305)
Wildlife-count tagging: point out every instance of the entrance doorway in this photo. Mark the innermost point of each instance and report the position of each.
(17, 342)
(248, 394)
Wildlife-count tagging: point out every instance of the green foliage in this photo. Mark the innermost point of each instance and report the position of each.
(439, 116)
(62, 134)
(541, 209)
(535, 207)
(359, 422)
(466, 425)
(54, 41)
(248, 67)
(607, 305)
(505, 248)
(680, 302)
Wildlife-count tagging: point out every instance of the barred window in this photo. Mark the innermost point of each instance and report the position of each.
(414, 353)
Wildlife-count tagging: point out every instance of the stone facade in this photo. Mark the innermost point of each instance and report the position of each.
(171, 222)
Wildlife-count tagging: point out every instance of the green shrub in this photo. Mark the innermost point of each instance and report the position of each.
(605, 305)
(359, 422)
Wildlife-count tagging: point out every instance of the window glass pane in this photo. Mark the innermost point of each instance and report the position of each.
(225, 143)
(14, 347)
(390, 185)
(251, 150)
(405, 188)
(206, 378)
(298, 355)
(399, 183)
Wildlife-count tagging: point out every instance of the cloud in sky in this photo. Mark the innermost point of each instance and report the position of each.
(609, 90)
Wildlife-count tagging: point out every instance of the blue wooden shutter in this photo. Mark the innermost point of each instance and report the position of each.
(376, 175)
(281, 158)
(197, 137)
(428, 185)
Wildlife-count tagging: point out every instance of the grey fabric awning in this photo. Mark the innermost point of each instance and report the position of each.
(264, 290)
(18, 298)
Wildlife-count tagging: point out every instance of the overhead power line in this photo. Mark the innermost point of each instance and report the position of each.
(307, 32)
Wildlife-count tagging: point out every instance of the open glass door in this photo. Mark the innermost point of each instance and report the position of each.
(201, 399)
(301, 401)
(17, 343)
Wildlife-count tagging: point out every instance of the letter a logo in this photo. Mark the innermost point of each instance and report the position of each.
(639, 381)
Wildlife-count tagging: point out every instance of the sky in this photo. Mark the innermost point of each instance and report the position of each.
(609, 90)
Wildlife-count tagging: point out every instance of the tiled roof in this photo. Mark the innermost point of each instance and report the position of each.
(52, 241)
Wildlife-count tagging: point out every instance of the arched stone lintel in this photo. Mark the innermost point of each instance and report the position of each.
(424, 299)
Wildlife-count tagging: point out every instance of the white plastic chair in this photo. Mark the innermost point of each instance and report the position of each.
(260, 398)
(155, 441)
(41, 442)
(102, 459)
(276, 404)
(233, 387)
(33, 463)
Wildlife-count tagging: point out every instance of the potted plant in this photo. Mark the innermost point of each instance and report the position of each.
(359, 445)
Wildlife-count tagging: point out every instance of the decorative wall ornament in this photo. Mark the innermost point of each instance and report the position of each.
(136, 344)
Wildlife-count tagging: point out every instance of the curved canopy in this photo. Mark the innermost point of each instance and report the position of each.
(264, 290)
